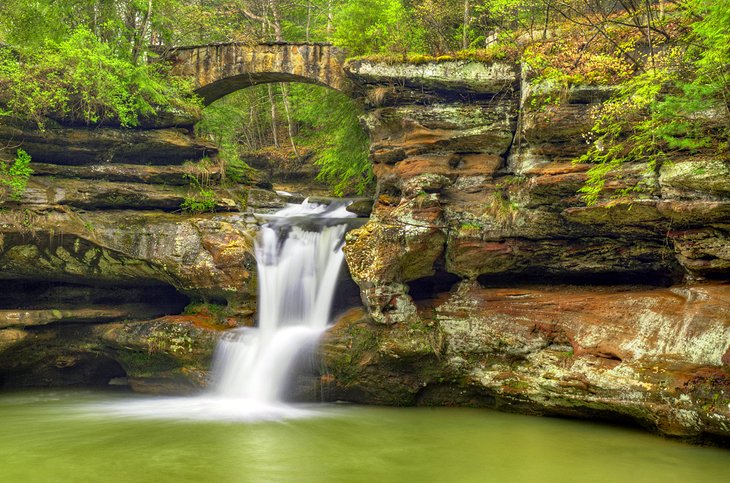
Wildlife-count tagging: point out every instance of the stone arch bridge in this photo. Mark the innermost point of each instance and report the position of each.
(219, 69)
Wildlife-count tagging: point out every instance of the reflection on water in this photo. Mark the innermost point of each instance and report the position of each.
(87, 436)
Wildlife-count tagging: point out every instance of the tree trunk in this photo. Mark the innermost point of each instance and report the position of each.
(309, 19)
(292, 129)
(277, 20)
(274, 116)
(465, 27)
(140, 36)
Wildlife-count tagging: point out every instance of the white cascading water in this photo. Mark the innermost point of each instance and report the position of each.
(299, 256)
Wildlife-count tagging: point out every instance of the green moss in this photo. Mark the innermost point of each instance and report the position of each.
(144, 363)
(471, 225)
(195, 308)
(516, 385)
(498, 52)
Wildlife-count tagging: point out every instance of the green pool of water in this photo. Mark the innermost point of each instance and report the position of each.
(71, 437)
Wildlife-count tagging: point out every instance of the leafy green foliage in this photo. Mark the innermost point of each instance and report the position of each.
(202, 198)
(326, 124)
(14, 176)
(331, 123)
(80, 79)
(679, 105)
(228, 122)
(375, 26)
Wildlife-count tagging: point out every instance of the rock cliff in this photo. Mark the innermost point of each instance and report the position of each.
(486, 281)
(98, 260)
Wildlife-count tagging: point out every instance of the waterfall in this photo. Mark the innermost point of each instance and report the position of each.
(299, 256)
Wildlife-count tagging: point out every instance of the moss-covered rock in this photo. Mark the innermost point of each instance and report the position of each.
(693, 177)
(163, 354)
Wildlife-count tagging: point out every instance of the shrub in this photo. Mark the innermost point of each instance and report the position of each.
(14, 176)
(81, 80)
(201, 200)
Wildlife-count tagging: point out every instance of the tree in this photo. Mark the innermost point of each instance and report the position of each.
(376, 26)
(679, 104)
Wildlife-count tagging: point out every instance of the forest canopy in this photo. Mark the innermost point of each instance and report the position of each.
(93, 61)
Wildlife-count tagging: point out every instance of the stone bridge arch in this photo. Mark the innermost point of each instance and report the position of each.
(219, 69)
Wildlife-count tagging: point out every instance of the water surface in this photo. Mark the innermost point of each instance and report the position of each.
(87, 436)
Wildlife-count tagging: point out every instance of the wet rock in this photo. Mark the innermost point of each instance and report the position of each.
(652, 355)
(162, 356)
(361, 207)
(53, 356)
(259, 198)
(171, 355)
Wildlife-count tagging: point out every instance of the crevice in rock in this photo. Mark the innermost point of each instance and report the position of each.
(41, 302)
(347, 293)
(45, 293)
(74, 369)
(427, 288)
(655, 279)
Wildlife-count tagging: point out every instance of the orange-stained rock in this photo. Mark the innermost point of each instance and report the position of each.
(463, 165)
(656, 356)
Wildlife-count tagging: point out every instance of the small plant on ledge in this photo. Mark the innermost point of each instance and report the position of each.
(201, 201)
(14, 176)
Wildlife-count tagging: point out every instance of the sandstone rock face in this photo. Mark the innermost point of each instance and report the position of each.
(100, 240)
(659, 357)
(484, 186)
(484, 278)
(85, 146)
(207, 256)
(98, 259)
(487, 281)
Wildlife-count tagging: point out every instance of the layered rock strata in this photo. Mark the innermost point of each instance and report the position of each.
(98, 259)
(487, 281)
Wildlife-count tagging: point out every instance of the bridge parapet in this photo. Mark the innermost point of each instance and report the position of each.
(219, 69)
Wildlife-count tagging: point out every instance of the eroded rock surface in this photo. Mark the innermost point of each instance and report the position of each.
(484, 278)
(659, 357)
(101, 239)
(479, 267)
